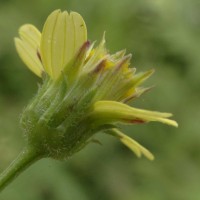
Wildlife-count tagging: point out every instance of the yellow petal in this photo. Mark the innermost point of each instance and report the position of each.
(116, 111)
(80, 30)
(134, 146)
(62, 37)
(28, 48)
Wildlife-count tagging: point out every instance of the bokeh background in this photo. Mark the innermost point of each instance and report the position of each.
(161, 34)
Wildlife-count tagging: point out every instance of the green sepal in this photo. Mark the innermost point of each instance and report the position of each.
(141, 77)
(73, 68)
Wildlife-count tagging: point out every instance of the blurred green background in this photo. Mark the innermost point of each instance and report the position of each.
(161, 34)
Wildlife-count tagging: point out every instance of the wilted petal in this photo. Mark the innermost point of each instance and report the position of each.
(131, 144)
(112, 111)
(28, 48)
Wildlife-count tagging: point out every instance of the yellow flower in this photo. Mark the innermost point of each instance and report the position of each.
(62, 36)
(85, 89)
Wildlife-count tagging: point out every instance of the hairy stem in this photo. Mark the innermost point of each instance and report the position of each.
(27, 157)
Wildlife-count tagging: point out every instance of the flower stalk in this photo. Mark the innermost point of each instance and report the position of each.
(26, 158)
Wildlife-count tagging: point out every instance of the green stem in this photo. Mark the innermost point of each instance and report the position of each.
(27, 157)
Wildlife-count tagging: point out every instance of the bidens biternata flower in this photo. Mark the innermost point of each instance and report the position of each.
(85, 89)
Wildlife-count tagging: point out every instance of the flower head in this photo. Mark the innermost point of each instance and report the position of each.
(85, 89)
